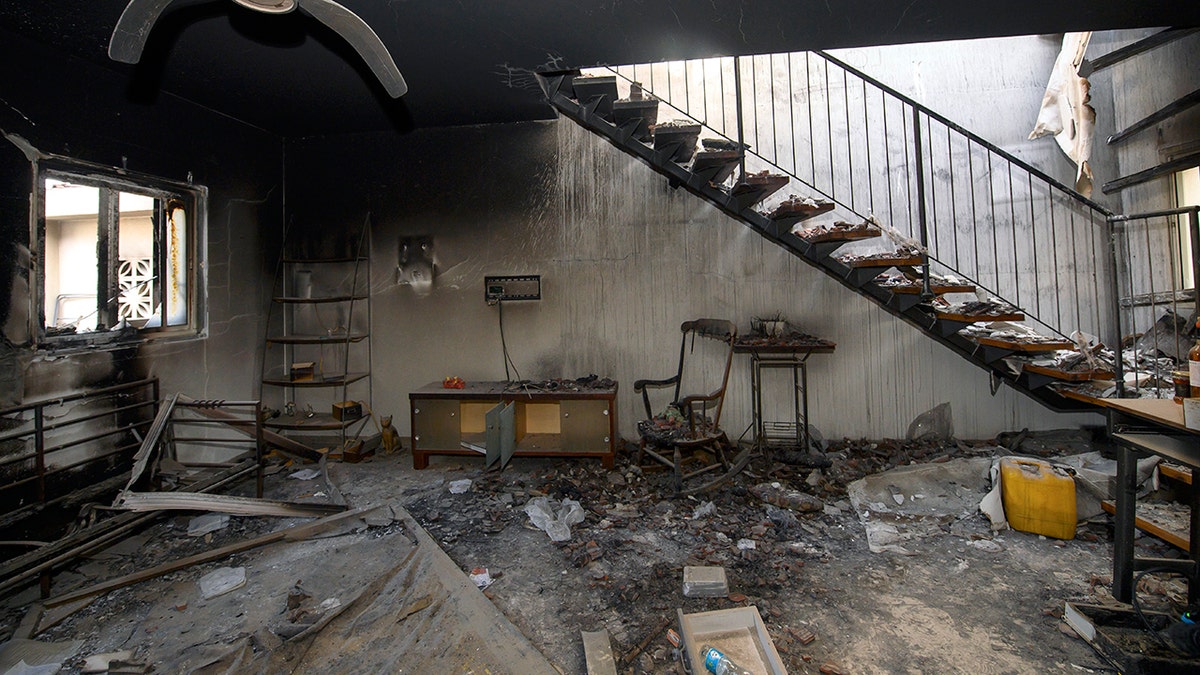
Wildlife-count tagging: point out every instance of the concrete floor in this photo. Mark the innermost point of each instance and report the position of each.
(954, 605)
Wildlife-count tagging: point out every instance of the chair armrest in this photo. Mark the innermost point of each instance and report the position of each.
(639, 385)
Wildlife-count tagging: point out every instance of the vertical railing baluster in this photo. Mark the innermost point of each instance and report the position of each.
(771, 89)
(953, 199)
(1012, 225)
(1033, 232)
(812, 150)
(867, 133)
(926, 291)
(991, 174)
(792, 116)
(849, 138)
(1058, 290)
(1115, 289)
(933, 246)
(887, 159)
(737, 102)
(905, 119)
(829, 132)
(1194, 240)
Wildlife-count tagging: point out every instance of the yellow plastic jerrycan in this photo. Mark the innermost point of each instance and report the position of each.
(1038, 498)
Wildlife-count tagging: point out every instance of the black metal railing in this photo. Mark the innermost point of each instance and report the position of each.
(1154, 293)
(96, 431)
(981, 213)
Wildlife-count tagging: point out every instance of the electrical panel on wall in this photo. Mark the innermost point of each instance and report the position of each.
(508, 288)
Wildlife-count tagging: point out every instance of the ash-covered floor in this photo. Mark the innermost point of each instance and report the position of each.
(392, 592)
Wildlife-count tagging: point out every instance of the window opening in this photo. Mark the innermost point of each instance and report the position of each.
(118, 255)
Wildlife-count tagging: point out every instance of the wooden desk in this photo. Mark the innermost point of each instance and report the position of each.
(1150, 426)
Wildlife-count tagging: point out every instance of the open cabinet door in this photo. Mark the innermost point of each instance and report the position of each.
(501, 434)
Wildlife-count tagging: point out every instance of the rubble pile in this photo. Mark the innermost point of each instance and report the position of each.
(764, 525)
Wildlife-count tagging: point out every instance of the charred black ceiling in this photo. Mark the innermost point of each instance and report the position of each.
(470, 62)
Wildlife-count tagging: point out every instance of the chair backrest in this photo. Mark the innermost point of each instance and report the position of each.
(721, 331)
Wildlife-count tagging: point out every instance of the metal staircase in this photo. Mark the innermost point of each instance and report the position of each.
(965, 214)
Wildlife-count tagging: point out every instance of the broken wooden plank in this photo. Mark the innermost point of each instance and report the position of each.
(45, 558)
(239, 506)
(597, 652)
(150, 443)
(282, 443)
(296, 533)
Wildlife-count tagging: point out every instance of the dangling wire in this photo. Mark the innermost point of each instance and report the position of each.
(504, 346)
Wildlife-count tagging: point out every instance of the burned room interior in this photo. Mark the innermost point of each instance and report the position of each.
(599, 337)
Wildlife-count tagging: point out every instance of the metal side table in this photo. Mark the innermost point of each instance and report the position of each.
(789, 353)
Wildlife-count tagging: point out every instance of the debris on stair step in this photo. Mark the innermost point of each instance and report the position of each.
(722, 144)
(680, 136)
(992, 307)
(838, 230)
(1015, 333)
(910, 282)
(903, 255)
(797, 207)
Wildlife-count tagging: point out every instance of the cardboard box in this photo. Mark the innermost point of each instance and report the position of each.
(739, 633)
(303, 371)
(347, 410)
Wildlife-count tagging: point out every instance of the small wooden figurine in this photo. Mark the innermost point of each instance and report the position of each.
(389, 437)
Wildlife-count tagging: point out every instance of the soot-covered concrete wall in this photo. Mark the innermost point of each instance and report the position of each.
(56, 104)
(624, 259)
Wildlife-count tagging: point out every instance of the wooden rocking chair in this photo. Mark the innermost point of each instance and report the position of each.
(691, 422)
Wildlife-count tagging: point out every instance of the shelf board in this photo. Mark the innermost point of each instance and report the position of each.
(316, 300)
(332, 381)
(301, 339)
(318, 422)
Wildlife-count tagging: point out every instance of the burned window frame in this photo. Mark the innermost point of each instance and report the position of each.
(112, 181)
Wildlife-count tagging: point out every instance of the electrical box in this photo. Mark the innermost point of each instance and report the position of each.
(508, 288)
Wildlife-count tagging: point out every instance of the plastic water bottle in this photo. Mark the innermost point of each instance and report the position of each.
(718, 663)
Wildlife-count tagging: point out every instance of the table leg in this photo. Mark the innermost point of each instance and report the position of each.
(1122, 584)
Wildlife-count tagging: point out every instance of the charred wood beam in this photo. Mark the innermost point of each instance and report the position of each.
(1167, 111)
(29, 565)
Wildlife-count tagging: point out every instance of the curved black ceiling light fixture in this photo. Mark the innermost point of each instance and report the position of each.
(133, 29)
